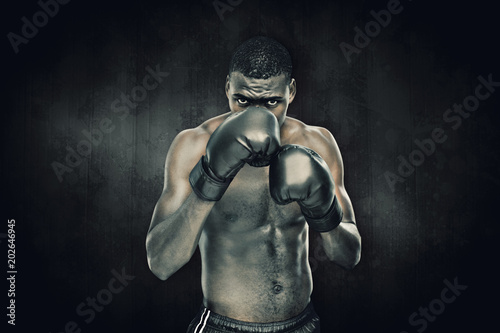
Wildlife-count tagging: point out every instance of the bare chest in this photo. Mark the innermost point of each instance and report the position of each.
(247, 204)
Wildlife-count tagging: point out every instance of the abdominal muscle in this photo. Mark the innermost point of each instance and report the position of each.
(255, 257)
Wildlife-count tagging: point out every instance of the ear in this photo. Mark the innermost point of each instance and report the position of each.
(293, 90)
(227, 86)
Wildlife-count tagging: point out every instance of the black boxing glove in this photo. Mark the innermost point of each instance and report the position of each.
(249, 136)
(299, 174)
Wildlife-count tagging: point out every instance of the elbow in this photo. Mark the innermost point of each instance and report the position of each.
(356, 256)
(155, 266)
(158, 270)
(162, 269)
(350, 258)
(348, 263)
(163, 266)
(351, 262)
(153, 263)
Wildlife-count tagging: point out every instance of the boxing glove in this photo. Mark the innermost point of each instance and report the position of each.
(297, 173)
(249, 136)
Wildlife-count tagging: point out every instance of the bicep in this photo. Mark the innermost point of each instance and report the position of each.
(185, 151)
(330, 152)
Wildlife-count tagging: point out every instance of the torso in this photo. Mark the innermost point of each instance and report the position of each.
(255, 253)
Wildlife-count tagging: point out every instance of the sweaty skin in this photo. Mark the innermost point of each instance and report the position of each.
(254, 252)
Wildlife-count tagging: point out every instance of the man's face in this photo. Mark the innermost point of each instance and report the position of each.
(274, 94)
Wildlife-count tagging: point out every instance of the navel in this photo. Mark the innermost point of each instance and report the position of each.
(277, 288)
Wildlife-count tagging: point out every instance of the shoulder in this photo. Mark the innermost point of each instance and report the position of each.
(194, 139)
(190, 144)
(317, 138)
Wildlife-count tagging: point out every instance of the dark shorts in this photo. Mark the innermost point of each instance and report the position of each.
(209, 322)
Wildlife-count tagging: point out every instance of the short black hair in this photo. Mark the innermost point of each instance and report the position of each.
(261, 58)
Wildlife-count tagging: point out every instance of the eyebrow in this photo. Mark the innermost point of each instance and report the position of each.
(265, 99)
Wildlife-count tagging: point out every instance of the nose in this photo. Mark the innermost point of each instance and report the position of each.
(257, 107)
(261, 108)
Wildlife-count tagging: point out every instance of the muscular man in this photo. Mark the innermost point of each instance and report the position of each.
(246, 187)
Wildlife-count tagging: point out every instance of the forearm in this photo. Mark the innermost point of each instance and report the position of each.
(173, 240)
(342, 245)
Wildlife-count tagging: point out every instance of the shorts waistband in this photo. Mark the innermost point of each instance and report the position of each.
(214, 320)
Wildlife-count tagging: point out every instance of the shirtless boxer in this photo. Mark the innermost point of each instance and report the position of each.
(246, 187)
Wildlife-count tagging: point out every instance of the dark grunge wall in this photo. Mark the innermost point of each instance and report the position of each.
(80, 236)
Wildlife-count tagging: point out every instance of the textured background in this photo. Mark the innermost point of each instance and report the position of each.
(438, 224)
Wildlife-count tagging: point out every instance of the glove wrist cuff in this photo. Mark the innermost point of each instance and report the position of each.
(205, 184)
(329, 221)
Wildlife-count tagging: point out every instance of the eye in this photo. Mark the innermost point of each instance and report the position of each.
(242, 101)
(272, 103)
